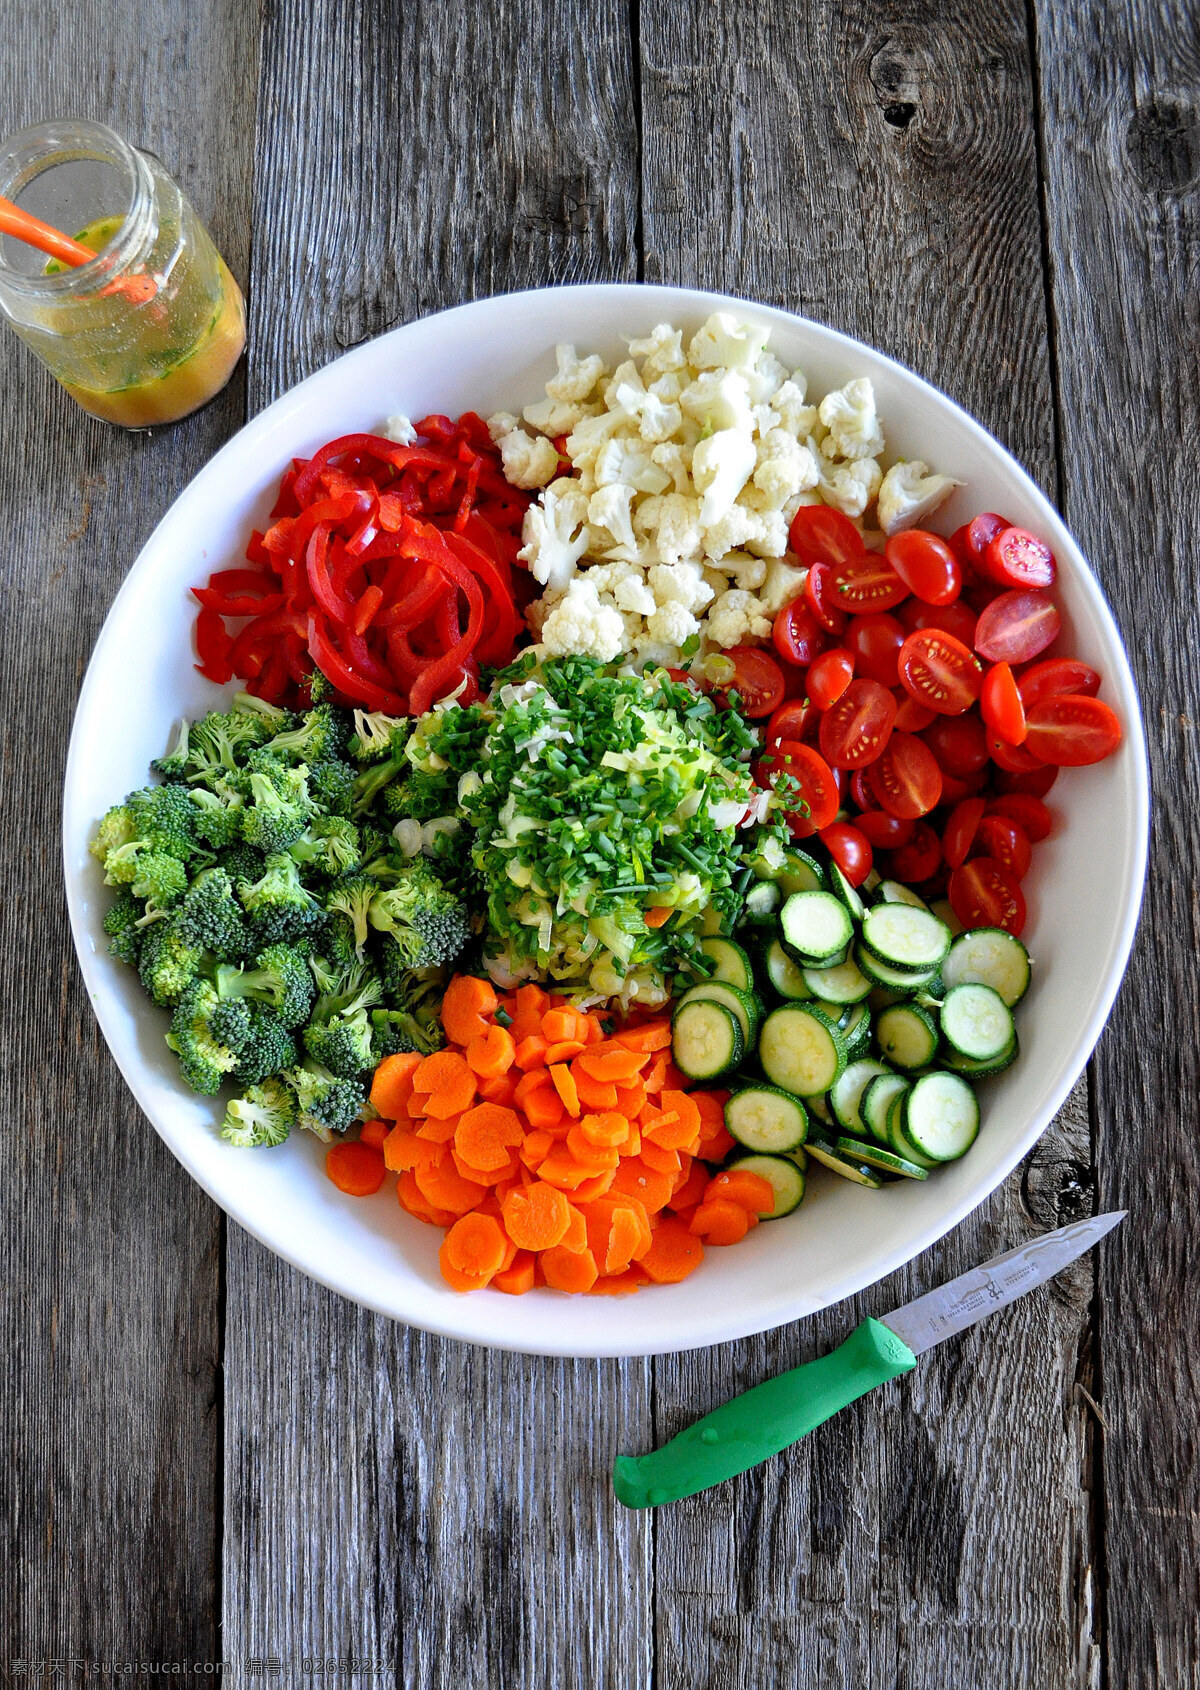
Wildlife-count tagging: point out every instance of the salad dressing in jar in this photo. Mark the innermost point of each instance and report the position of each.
(135, 355)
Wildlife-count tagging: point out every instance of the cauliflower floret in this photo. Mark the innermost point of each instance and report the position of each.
(782, 585)
(719, 399)
(576, 376)
(772, 536)
(537, 612)
(672, 623)
(849, 415)
(555, 533)
(661, 350)
(733, 530)
(788, 404)
(634, 597)
(654, 418)
(501, 423)
(627, 460)
(851, 486)
(529, 460)
(744, 571)
(679, 583)
(676, 459)
(589, 435)
(783, 466)
(399, 429)
(668, 387)
(715, 578)
(766, 378)
(910, 492)
(721, 466)
(580, 625)
(737, 616)
(672, 523)
(558, 416)
(725, 343)
(656, 654)
(608, 508)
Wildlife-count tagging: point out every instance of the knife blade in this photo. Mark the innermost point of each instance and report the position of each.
(762, 1421)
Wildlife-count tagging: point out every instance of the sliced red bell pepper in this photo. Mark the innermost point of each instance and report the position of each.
(332, 664)
(213, 646)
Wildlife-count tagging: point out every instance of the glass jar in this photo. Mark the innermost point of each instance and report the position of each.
(139, 354)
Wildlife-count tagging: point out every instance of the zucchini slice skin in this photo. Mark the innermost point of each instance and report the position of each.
(766, 1119)
(801, 1050)
(988, 956)
(815, 928)
(731, 965)
(977, 1023)
(785, 1177)
(706, 1039)
(907, 1036)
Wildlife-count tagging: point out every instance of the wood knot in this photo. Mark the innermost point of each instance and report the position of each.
(898, 73)
(1057, 1190)
(1162, 144)
(899, 113)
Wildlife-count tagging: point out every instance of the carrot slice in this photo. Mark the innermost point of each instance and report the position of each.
(438, 1132)
(455, 1093)
(650, 1036)
(657, 915)
(673, 1254)
(500, 1089)
(722, 1222)
(537, 1216)
(485, 1176)
(355, 1168)
(560, 1168)
(662, 1161)
(608, 1129)
(576, 1236)
(467, 1000)
(617, 1284)
(544, 1109)
(516, 1279)
(462, 1281)
(535, 1148)
(475, 1245)
(636, 1178)
(444, 1067)
(402, 1149)
(593, 1093)
(409, 1194)
(691, 1192)
(569, 1270)
(391, 1084)
(492, 1052)
(531, 1052)
(442, 1185)
(538, 1079)
(595, 1187)
(624, 1239)
(564, 1050)
(374, 1133)
(675, 1122)
(612, 1062)
(486, 1133)
(564, 1084)
(594, 1157)
(560, 1024)
(631, 1099)
(748, 1190)
(529, 1008)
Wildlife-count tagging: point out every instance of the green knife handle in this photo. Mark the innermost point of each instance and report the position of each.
(762, 1421)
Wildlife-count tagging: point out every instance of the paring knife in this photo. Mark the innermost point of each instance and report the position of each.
(764, 1420)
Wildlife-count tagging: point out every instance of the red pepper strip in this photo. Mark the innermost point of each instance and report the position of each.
(295, 655)
(272, 682)
(255, 550)
(364, 610)
(391, 512)
(430, 684)
(364, 661)
(334, 667)
(468, 498)
(246, 580)
(316, 564)
(416, 604)
(436, 427)
(372, 445)
(277, 541)
(497, 645)
(213, 646)
(237, 604)
(475, 431)
(440, 488)
(258, 639)
(285, 505)
(448, 622)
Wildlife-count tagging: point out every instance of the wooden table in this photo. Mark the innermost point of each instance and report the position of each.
(206, 1456)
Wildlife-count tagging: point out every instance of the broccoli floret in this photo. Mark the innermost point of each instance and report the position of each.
(331, 784)
(211, 918)
(373, 844)
(273, 717)
(148, 872)
(167, 964)
(122, 926)
(351, 897)
(377, 735)
(344, 988)
(267, 1047)
(230, 1022)
(219, 743)
(243, 863)
(156, 819)
(372, 781)
(328, 1104)
(278, 904)
(320, 688)
(328, 846)
(204, 1060)
(322, 733)
(116, 829)
(263, 1116)
(279, 807)
(173, 766)
(280, 977)
(397, 1031)
(218, 820)
(428, 924)
(342, 1045)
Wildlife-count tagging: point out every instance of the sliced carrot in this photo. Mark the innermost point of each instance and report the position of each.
(673, 1254)
(528, 1011)
(691, 1191)
(442, 1185)
(722, 1222)
(535, 1148)
(650, 1036)
(564, 1084)
(485, 1176)
(739, 1185)
(438, 1132)
(355, 1168)
(501, 1089)
(589, 1189)
(560, 1024)
(593, 1094)
(617, 1284)
(564, 1050)
(442, 1068)
(631, 1099)
(462, 1281)
(467, 1000)
(662, 1161)
(591, 1032)
(632, 1146)
(412, 1201)
(475, 1245)
(374, 1133)
(638, 1179)
(453, 1095)
(516, 1279)
(654, 1078)
(624, 1240)
(575, 1237)
(715, 1141)
(486, 1134)
(391, 1084)
(607, 1129)
(531, 1052)
(674, 1124)
(560, 1168)
(538, 1079)
(402, 1149)
(714, 1146)
(569, 1270)
(491, 1053)
(594, 1157)
(544, 1109)
(536, 1217)
(657, 915)
(612, 1062)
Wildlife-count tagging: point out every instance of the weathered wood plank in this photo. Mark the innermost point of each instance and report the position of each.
(442, 1510)
(1121, 120)
(109, 1286)
(876, 169)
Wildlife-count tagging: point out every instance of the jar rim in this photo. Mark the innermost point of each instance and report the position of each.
(28, 152)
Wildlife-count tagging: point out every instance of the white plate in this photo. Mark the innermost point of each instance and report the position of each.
(1084, 890)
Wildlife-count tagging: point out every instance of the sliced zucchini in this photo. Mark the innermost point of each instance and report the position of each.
(855, 1027)
(784, 973)
(801, 1050)
(761, 903)
(785, 1177)
(707, 1039)
(907, 1035)
(743, 1005)
(895, 892)
(711, 921)
(944, 910)
(941, 1116)
(842, 984)
(827, 1152)
(881, 1098)
(818, 1106)
(886, 1161)
(905, 937)
(730, 963)
(900, 980)
(800, 873)
(988, 956)
(977, 1023)
(815, 927)
(764, 1118)
(841, 888)
(973, 1070)
(847, 1092)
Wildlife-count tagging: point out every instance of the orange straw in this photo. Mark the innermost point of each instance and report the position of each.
(23, 226)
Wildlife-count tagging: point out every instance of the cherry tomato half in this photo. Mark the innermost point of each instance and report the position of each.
(829, 676)
(757, 680)
(971, 541)
(850, 849)
(1070, 730)
(818, 787)
(925, 563)
(818, 595)
(906, 780)
(1016, 627)
(798, 636)
(790, 720)
(875, 641)
(954, 789)
(855, 729)
(958, 835)
(1016, 759)
(940, 672)
(959, 743)
(957, 619)
(911, 717)
(1031, 783)
(860, 792)
(1016, 558)
(983, 893)
(1000, 705)
(1034, 819)
(1057, 675)
(867, 583)
(1004, 840)
(820, 534)
(919, 859)
(885, 833)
